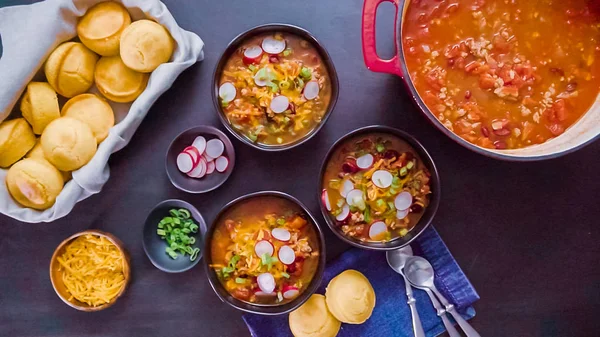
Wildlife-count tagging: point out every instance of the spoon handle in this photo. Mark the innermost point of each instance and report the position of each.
(467, 328)
(452, 332)
(412, 303)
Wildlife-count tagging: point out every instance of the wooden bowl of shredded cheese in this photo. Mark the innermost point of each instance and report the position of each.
(90, 270)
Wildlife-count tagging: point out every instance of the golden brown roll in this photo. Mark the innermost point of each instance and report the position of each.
(117, 82)
(34, 183)
(92, 110)
(350, 297)
(145, 45)
(101, 27)
(38, 152)
(68, 143)
(70, 69)
(16, 138)
(39, 105)
(313, 319)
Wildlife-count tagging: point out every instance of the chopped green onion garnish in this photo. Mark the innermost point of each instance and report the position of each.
(380, 147)
(403, 171)
(274, 87)
(284, 274)
(281, 221)
(240, 280)
(252, 67)
(287, 52)
(410, 164)
(306, 73)
(253, 137)
(174, 229)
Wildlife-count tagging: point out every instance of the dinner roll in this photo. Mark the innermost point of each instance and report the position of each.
(101, 27)
(92, 110)
(313, 319)
(38, 152)
(145, 45)
(39, 105)
(70, 69)
(16, 138)
(68, 143)
(34, 183)
(117, 82)
(350, 297)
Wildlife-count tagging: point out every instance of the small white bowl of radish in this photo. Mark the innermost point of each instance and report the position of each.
(200, 159)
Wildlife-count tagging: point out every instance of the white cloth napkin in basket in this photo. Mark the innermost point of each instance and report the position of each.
(29, 34)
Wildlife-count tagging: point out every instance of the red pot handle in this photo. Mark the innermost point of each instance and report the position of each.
(372, 61)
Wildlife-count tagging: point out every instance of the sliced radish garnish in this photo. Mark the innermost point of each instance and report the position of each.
(200, 144)
(279, 104)
(364, 162)
(377, 229)
(207, 157)
(266, 282)
(382, 178)
(325, 200)
(185, 162)
(214, 148)
(355, 198)
(263, 247)
(347, 186)
(286, 255)
(200, 170)
(194, 153)
(403, 201)
(311, 90)
(210, 167)
(402, 213)
(281, 234)
(252, 54)
(221, 164)
(273, 46)
(227, 92)
(344, 214)
(290, 292)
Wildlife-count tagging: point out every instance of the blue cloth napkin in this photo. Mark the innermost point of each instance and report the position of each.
(391, 316)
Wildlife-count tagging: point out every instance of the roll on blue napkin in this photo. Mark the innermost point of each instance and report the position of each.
(391, 316)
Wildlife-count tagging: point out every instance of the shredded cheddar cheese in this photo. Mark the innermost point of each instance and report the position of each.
(92, 270)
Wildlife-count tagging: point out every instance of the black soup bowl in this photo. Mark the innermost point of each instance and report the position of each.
(233, 207)
(429, 211)
(234, 47)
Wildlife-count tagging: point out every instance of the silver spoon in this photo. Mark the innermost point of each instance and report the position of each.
(396, 259)
(420, 274)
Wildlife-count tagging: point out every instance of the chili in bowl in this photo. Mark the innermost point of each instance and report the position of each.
(379, 188)
(275, 86)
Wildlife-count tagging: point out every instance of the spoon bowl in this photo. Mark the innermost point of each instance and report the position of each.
(396, 259)
(419, 272)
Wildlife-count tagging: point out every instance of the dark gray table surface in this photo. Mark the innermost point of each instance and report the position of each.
(526, 234)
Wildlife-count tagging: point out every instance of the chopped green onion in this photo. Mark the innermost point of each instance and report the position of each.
(340, 202)
(367, 214)
(252, 68)
(306, 73)
(410, 164)
(161, 232)
(253, 137)
(174, 229)
(281, 221)
(403, 171)
(391, 206)
(403, 232)
(287, 52)
(300, 83)
(380, 147)
(284, 85)
(184, 213)
(274, 87)
(381, 204)
(284, 274)
(240, 280)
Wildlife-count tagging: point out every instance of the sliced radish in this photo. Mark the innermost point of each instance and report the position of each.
(252, 54)
(214, 148)
(263, 247)
(382, 178)
(210, 167)
(402, 213)
(355, 198)
(364, 162)
(221, 164)
(281, 234)
(199, 171)
(273, 46)
(325, 200)
(263, 77)
(207, 157)
(286, 255)
(279, 104)
(185, 162)
(377, 229)
(200, 144)
(344, 214)
(266, 282)
(290, 292)
(347, 186)
(403, 201)
(194, 153)
(311, 90)
(227, 92)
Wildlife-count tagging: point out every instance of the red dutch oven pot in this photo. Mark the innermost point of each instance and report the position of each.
(583, 132)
